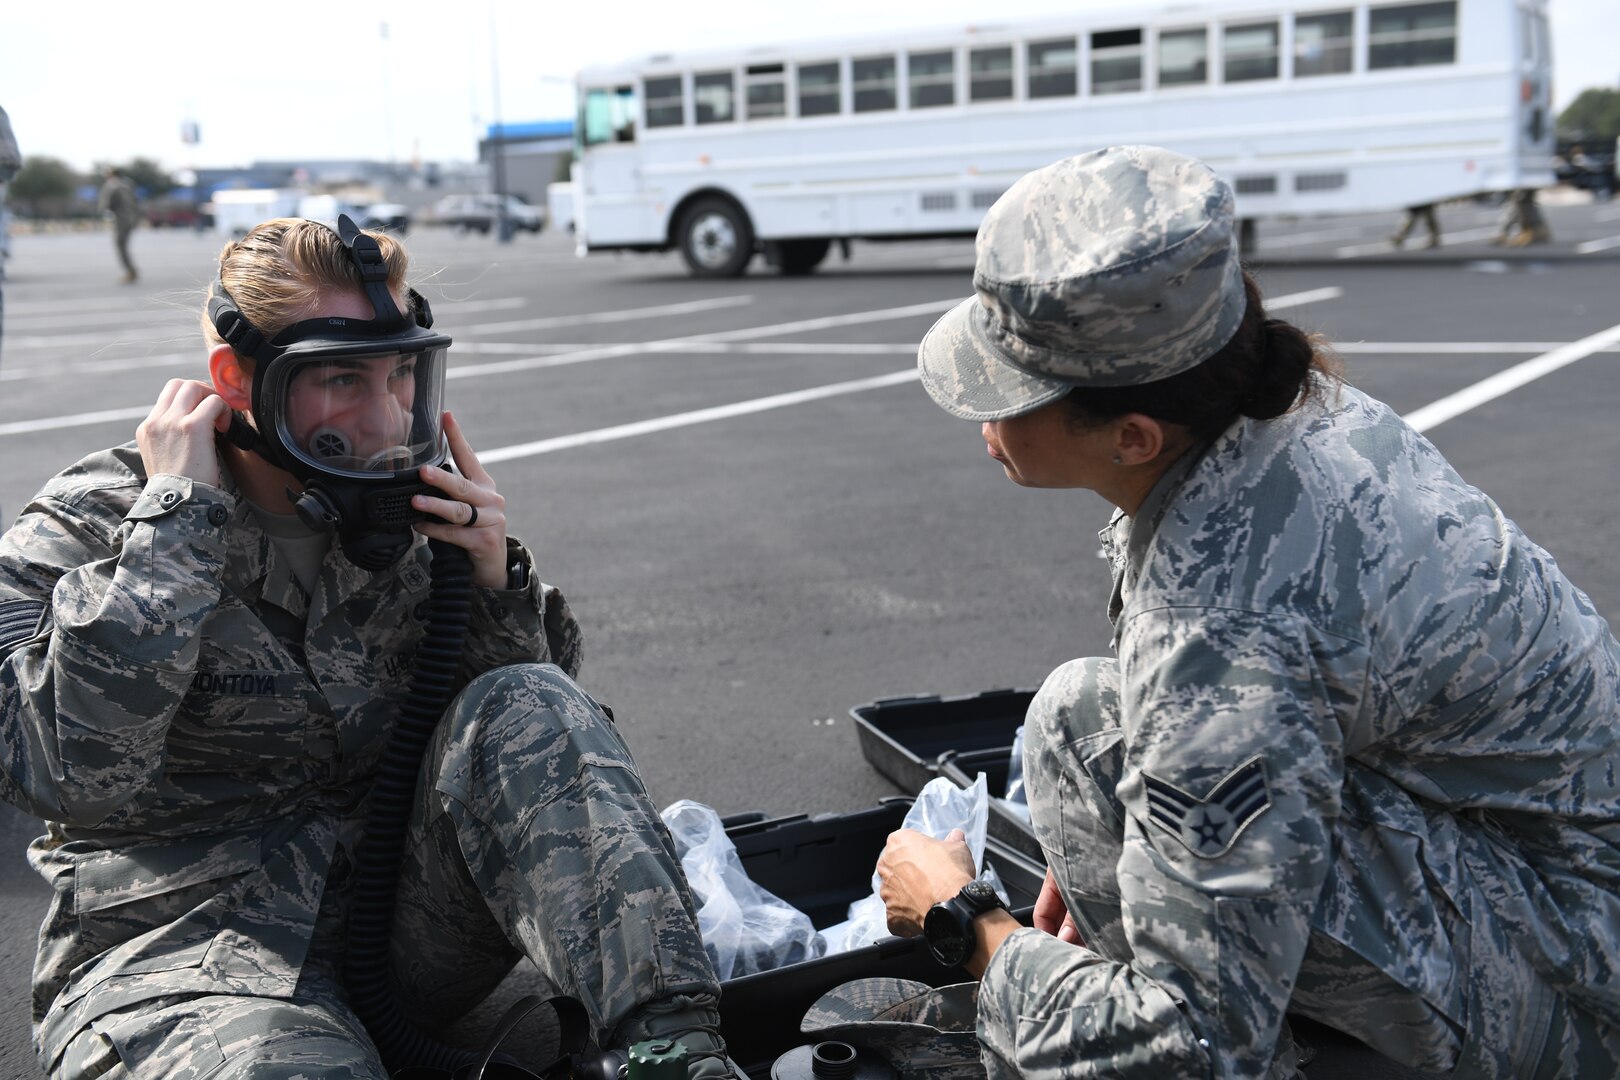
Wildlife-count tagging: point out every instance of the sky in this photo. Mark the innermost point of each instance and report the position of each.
(280, 80)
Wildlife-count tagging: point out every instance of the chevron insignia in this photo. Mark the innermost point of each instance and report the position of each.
(1208, 827)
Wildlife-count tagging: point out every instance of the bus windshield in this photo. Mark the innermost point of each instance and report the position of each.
(608, 115)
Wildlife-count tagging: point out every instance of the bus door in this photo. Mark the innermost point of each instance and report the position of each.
(1535, 87)
(609, 176)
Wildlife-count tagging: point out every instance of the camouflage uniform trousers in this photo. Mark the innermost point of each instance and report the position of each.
(532, 836)
(1515, 1024)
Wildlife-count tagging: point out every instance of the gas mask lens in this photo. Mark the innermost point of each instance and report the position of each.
(363, 415)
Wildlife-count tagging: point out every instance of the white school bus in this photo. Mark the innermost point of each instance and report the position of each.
(1311, 107)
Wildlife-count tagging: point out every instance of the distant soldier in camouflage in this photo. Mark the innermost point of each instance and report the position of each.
(117, 200)
(1356, 756)
(195, 692)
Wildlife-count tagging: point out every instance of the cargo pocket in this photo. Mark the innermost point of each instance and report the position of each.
(1131, 1033)
(159, 1045)
(106, 879)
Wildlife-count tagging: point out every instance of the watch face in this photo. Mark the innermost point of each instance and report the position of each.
(948, 939)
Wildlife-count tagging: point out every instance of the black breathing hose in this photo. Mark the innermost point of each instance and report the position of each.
(433, 684)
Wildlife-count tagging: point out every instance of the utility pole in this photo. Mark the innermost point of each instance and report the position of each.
(497, 142)
(388, 97)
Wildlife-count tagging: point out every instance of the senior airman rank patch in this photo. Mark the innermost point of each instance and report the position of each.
(1207, 827)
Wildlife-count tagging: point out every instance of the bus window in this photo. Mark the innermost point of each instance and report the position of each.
(932, 77)
(874, 83)
(820, 89)
(1053, 68)
(1116, 61)
(1183, 57)
(712, 98)
(767, 91)
(990, 74)
(1323, 44)
(1251, 51)
(665, 106)
(1412, 34)
(609, 115)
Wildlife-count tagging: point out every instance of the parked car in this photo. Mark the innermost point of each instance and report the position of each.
(479, 212)
(388, 216)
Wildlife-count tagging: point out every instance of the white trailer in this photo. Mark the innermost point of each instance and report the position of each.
(238, 210)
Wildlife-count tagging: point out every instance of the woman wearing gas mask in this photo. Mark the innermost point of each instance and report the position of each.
(1355, 758)
(208, 637)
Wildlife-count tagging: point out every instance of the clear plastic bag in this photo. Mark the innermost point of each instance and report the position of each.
(745, 928)
(1017, 799)
(940, 807)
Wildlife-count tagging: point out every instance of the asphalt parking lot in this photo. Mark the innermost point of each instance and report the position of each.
(757, 514)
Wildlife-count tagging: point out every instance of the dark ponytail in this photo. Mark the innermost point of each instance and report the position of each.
(1263, 372)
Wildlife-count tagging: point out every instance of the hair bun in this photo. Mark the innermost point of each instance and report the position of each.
(1286, 360)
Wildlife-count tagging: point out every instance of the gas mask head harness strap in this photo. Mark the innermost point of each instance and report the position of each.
(350, 407)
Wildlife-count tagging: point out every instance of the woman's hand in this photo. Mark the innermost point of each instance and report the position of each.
(177, 436)
(1052, 915)
(918, 872)
(475, 510)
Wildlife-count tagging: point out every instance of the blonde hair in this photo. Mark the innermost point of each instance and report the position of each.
(281, 269)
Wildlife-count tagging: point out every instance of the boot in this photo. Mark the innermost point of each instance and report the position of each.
(691, 1019)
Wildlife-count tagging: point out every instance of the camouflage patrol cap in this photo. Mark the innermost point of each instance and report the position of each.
(1111, 268)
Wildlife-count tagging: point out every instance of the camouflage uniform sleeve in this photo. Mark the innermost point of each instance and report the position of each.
(1234, 767)
(1231, 783)
(120, 593)
(513, 626)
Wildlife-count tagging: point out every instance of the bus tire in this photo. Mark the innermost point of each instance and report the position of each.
(716, 238)
(799, 257)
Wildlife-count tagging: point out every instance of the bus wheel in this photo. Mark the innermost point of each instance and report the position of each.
(802, 256)
(716, 239)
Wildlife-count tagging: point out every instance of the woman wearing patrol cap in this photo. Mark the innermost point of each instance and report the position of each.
(1356, 756)
(197, 687)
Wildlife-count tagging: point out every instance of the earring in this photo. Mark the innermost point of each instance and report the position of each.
(1118, 460)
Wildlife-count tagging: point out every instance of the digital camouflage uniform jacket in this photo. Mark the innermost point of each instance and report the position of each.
(198, 733)
(1310, 592)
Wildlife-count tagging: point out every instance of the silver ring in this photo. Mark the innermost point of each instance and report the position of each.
(472, 516)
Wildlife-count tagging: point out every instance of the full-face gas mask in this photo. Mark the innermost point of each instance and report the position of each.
(351, 407)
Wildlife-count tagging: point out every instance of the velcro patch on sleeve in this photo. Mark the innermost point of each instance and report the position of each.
(1209, 826)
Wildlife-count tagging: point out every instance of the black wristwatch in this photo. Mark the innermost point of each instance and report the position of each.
(948, 927)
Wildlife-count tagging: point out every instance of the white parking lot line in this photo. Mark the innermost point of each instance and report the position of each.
(696, 416)
(1352, 251)
(1282, 303)
(1503, 382)
(1593, 246)
(1449, 348)
(722, 341)
(53, 423)
(625, 315)
(693, 342)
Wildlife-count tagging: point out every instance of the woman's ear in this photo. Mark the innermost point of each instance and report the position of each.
(231, 381)
(1138, 439)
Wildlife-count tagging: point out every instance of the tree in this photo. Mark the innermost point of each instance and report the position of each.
(44, 186)
(148, 176)
(1593, 118)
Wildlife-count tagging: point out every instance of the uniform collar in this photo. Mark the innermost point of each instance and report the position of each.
(1126, 538)
(254, 568)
